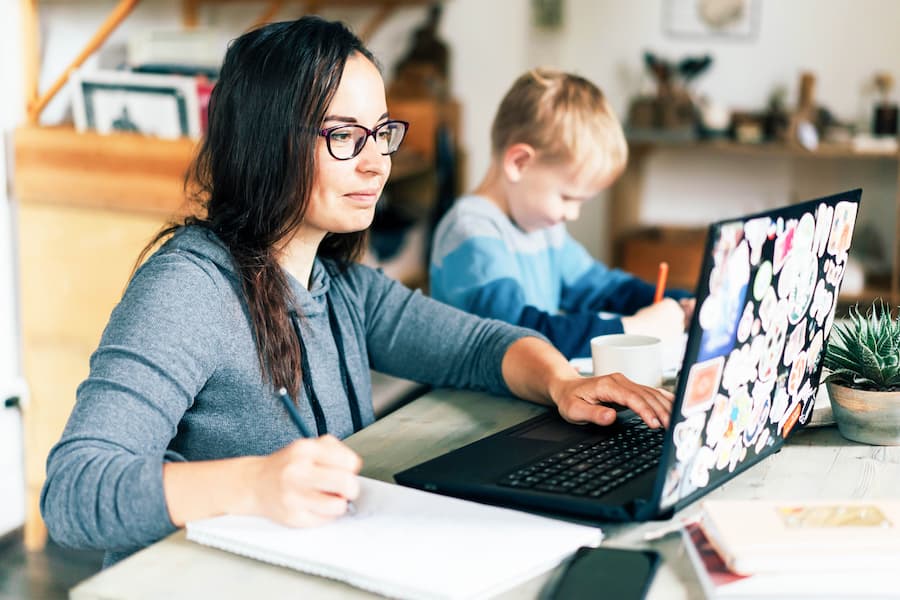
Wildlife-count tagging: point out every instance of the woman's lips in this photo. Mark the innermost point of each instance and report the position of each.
(363, 197)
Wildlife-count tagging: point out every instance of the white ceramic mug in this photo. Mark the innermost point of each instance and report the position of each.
(637, 357)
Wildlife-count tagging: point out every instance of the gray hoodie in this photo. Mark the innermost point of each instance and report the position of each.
(176, 378)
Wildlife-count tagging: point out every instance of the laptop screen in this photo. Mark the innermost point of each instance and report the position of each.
(766, 300)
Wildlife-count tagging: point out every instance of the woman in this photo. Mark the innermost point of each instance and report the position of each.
(179, 418)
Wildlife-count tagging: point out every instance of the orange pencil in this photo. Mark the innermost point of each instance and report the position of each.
(661, 281)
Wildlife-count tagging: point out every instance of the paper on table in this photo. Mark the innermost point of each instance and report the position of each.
(407, 543)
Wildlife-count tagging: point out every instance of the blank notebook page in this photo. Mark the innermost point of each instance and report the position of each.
(406, 543)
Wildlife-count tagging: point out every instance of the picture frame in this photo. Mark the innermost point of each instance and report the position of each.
(164, 106)
(711, 19)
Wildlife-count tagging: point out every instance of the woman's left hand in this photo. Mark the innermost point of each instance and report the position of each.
(585, 399)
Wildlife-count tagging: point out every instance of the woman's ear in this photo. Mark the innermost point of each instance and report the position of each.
(516, 159)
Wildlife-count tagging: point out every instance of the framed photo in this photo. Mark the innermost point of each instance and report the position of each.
(735, 19)
(164, 106)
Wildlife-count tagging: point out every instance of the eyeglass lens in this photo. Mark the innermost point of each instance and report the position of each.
(348, 141)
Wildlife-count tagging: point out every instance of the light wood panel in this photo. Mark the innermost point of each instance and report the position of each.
(74, 264)
(129, 172)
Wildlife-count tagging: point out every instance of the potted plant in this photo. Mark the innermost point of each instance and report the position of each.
(863, 357)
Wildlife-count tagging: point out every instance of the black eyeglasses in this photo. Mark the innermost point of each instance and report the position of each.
(346, 141)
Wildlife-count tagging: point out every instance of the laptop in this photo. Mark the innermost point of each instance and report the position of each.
(766, 300)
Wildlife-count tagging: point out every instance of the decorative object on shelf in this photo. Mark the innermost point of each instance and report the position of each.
(547, 14)
(180, 51)
(777, 119)
(801, 128)
(863, 356)
(735, 19)
(424, 71)
(810, 121)
(164, 106)
(884, 121)
(748, 127)
(672, 112)
(715, 118)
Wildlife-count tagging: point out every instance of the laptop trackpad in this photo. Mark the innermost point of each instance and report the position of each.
(552, 430)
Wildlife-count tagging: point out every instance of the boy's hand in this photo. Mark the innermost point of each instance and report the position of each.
(663, 319)
(582, 399)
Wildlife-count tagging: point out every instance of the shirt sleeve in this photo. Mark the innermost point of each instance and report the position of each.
(104, 486)
(409, 335)
(589, 285)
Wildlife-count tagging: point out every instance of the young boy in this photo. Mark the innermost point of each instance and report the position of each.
(504, 252)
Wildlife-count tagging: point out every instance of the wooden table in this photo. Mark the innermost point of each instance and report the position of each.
(817, 463)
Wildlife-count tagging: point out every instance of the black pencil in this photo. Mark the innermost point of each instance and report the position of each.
(298, 421)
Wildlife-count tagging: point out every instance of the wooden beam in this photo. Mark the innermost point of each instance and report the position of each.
(190, 13)
(31, 51)
(269, 14)
(115, 18)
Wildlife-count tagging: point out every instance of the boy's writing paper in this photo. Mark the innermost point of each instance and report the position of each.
(406, 543)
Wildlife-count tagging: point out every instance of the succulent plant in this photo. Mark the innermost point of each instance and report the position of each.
(863, 351)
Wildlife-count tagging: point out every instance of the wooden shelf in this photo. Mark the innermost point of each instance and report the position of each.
(624, 217)
(123, 171)
(768, 149)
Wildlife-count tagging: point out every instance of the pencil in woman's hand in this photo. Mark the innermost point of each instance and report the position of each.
(661, 281)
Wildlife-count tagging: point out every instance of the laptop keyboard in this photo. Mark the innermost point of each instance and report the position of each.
(592, 469)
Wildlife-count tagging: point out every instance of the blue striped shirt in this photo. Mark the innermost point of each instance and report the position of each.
(483, 263)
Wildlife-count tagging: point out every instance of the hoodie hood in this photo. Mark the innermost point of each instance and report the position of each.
(204, 244)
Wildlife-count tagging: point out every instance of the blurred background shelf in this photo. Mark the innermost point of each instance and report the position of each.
(639, 247)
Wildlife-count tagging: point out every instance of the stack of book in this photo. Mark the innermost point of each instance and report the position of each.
(756, 549)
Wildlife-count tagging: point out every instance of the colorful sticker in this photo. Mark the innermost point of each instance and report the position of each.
(687, 437)
(823, 227)
(702, 385)
(763, 280)
(842, 228)
(804, 235)
(756, 231)
(822, 302)
(700, 466)
(795, 343)
(814, 352)
(798, 283)
(767, 308)
(784, 242)
(719, 419)
(746, 323)
(740, 368)
(797, 374)
(774, 344)
(721, 310)
(791, 420)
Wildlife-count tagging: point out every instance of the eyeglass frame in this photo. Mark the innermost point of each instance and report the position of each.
(370, 133)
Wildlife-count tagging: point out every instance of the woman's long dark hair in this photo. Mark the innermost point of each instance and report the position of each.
(256, 167)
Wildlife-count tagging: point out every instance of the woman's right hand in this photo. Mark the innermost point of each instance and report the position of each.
(308, 482)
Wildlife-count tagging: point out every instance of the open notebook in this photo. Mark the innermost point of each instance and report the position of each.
(406, 543)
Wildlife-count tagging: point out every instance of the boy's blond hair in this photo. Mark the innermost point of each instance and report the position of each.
(565, 118)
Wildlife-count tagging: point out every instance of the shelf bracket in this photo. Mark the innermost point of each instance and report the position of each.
(115, 18)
